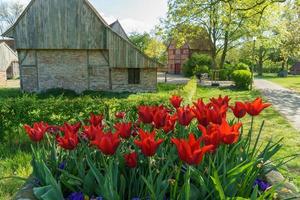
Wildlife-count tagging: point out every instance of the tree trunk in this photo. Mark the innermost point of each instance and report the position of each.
(224, 52)
(260, 61)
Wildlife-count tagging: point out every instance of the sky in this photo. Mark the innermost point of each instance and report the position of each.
(134, 15)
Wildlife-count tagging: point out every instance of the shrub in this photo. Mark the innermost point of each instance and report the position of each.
(200, 69)
(242, 79)
(195, 60)
(242, 66)
(224, 74)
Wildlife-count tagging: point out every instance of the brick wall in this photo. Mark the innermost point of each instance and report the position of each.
(78, 70)
(148, 79)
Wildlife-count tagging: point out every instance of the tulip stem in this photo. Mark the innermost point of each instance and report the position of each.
(250, 133)
(187, 183)
(176, 181)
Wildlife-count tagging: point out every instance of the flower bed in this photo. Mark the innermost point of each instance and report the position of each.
(161, 152)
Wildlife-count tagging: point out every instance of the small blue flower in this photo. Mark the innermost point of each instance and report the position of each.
(76, 196)
(262, 185)
(62, 165)
(97, 198)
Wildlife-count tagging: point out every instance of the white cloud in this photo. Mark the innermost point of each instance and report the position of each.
(130, 25)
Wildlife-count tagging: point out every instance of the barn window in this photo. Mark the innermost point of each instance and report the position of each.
(134, 76)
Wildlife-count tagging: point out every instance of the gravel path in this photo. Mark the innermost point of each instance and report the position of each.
(286, 101)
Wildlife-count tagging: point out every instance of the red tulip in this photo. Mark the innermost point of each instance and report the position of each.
(254, 108)
(90, 132)
(145, 114)
(37, 132)
(176, 101)
(123, 129)
(70, 139)
(131, 160)
(107, 143)
(216, 114)
(96, 120)
(71, 127)
(239, 110)
(120, 115)
(200, 112)
(147, 142)
(159, 117)
(211, 135)
(220, 101)
(189, 150)
(185, 115)
(170, 123)
(230, 134)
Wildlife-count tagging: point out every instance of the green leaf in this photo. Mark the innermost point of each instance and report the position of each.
(218, 185)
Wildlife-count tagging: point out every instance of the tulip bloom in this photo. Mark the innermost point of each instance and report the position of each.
(176, 101)
(120, 115)
(159, 117)
(185, 115)
(107, 143)
(70, 127)
(200, 111)
(90, 132)
(211, 135)
(220, 101)
(96, 120)
(147, 143)
(229, 134)
(254, 108)
(239, 110)
(123, 129)
(145, 114)
(170, 123)
(70, 139)
(216, 114)
(189, 150)
(131, 159)
(37, 132)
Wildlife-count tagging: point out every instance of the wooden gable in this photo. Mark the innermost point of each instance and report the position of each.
(59, 24)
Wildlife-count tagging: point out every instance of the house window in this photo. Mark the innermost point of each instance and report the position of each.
(134, 76)
(174, 51)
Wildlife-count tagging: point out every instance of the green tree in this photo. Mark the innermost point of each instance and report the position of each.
(150, 45)
(140, 40)
(227, 23)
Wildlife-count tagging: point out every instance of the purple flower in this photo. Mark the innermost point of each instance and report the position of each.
(76, 196)
(262, 185)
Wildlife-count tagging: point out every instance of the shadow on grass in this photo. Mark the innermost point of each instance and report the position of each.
(70, 94)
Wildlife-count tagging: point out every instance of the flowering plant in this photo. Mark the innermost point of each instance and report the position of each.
(171, 151)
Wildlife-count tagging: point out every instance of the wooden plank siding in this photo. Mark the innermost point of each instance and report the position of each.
(59, 24)
(75, 25)
(125, 54)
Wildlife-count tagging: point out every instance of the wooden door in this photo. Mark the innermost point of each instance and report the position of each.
(177, 68)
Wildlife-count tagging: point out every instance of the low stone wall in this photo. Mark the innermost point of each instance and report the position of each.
(3, 80)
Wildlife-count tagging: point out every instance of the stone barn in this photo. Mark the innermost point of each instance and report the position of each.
(9, 67)
(67, 44)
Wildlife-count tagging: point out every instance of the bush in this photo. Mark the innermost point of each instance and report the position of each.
(242, 79)
(195, 60)
(242, 66)
(198, 70)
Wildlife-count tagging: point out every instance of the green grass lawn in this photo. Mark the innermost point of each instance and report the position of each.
(290, 82)
(17, 109)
